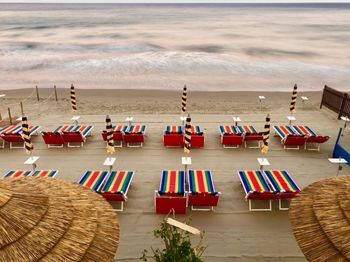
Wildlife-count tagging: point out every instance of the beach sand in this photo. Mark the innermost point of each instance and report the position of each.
(232, 233)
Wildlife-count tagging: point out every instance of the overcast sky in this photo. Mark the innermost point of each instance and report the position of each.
(172, 1)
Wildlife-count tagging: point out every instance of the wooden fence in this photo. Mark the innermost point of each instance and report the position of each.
(336, 101)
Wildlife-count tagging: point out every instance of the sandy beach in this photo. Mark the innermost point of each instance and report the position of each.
(232, 232)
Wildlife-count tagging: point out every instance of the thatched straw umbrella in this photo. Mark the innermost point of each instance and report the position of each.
(52, 220)
(320, 218)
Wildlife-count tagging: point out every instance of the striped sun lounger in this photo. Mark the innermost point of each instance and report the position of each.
(196, 130)
(228, 130)
(171, 193)
(44, 173)
(13, 135)
(84, 130)
(311, 136)
(201, 190)
(135, 135)
(118, 132)
(117, 186)
(256, 187)
(289, 137)
(17, 173)
(93, 179)
(230, 137)
(17, 129)
(250, 134)
(282, 184)
(173, 130)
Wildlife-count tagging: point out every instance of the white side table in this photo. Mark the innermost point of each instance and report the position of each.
(261, 99)
(109, 161)
(291, 118)
(236, 119)
(338, 161)
(304, 99)
(32, 161)
(346, 120)
(186, 161)
(75, 119)
(129, 119)
(263, 162)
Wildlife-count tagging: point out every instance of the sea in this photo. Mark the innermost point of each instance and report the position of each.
(208, 47)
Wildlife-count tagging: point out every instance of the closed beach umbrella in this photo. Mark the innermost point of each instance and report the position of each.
(294, 98)
(47, 219)
(26, 136)
(187, 147)
(184, 100)
(73, 99)
(110, 141)
(266, 136)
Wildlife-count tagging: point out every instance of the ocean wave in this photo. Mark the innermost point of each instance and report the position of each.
(199, 62)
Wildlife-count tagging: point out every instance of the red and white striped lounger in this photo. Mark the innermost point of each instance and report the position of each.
(74, 134)
(44, 173)
(17, 173)
(282, 183)
(311, 136)
(201, 190)
(289, 137)
(171, 194)
(13, 135)
(256, 188)
(116, 187)
(230, 137)
(118, 132)
(93, 179)
(134, 136)
(250, 134)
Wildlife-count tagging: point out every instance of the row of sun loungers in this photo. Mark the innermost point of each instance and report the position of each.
(172, 195)
(132, 136)
(113, 186)
(35, 173)
(292, 137)
(268, 185)
(174, 136)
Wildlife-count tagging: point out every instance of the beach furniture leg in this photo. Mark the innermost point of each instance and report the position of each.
(3, 143)
(280, 206)
(54, 146)
(260, 209)
(12, 145)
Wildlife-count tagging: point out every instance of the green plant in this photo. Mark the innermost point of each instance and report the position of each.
(178, 247)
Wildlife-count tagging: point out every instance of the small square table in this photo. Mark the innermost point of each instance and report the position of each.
(291, 118)
(236, 119)
(338, 161)
(109, 161)
(263, 162)
(32, 161)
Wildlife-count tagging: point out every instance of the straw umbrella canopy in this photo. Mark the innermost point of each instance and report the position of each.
(26, 136)
(184, 100)
(73, 99)
(187, 147)
(53, 220)
(110, 141)
(320, 218)
(294, 98)
(266, 136)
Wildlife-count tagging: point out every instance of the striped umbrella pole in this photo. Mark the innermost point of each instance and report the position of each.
(187, 147)
(184, 100)
(294, 99)
(26, 136)
(266, 136)
(73, 99)
(110, 141)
